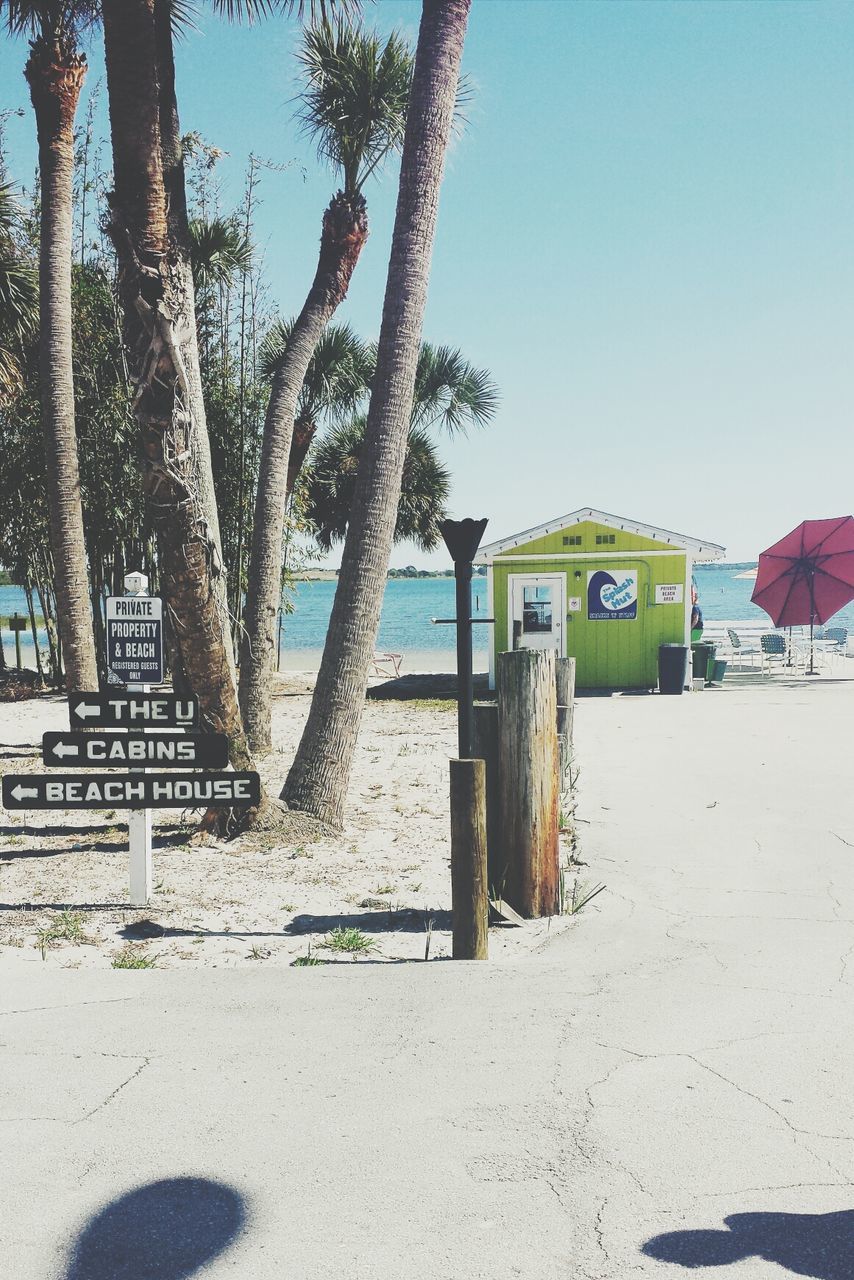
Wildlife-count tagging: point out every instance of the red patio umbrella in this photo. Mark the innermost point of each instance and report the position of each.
(807, 576)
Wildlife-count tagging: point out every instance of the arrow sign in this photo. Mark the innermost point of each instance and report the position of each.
(136, 750)
(24, 793)
(132, 791)
(132, 710)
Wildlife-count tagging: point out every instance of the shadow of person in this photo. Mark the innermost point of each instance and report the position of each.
(162, 1231)
(820, 1245)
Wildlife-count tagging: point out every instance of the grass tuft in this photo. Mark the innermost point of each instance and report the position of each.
(349, 942)
(133, 958)
(65, 927)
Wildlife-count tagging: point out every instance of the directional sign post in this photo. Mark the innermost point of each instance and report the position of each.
(129, 710)
(130, 790)
(135, 750)
(134, 729)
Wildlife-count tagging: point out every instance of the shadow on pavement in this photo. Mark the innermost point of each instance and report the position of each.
(162, 1231)
(820, 1245)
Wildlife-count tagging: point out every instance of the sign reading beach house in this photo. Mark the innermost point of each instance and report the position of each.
(612, 594)
(135, 639)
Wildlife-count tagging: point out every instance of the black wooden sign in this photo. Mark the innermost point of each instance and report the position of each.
(132, 711)
(130, 791)
(134, 630)
(135, 750)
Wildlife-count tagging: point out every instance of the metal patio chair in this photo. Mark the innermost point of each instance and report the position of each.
(775, 652)
(740, 651)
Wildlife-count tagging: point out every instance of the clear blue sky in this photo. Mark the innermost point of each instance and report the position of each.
(646, 234)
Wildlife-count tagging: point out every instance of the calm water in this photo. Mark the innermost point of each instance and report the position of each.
(410, 603)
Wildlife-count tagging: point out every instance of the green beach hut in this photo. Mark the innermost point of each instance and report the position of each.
(599, 588)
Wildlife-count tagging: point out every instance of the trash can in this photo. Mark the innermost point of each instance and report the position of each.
(718, 671)
(702, 657)
(672, 667)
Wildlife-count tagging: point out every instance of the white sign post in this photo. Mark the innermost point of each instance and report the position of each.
(139, 820)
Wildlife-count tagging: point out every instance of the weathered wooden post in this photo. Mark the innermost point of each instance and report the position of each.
(529, 793)
(485, 747)
(462, 538)
(565, 676)
(469, 897)
(17, 623)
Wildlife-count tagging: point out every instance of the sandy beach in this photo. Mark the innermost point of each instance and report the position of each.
(387, 874)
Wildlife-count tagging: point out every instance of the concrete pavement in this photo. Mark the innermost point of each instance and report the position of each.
(664, 1089)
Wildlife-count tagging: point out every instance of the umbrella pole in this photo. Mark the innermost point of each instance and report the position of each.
(789, 662)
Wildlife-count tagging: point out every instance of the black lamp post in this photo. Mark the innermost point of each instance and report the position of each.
(462, 538)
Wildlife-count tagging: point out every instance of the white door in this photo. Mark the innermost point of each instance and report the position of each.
(537, 612)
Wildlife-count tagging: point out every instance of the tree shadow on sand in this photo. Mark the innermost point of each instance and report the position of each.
(165, 1230)
(819, 1245)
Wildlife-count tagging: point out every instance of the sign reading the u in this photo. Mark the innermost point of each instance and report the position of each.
(611, 594)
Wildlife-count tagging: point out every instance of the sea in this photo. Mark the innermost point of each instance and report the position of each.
(410, 606)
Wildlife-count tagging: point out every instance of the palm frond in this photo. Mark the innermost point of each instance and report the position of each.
(355, 97)
(19, 295)
(338, 374)
(219, 251)
(9, 209)
(36, 18)
(11, 377)
(451, 392)
(331, 480)
(182, 17)
(316, 10)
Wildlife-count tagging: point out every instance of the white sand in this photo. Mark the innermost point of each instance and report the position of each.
(235, 904)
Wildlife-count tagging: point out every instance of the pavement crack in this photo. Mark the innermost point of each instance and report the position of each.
(49, 1008)
(110, 1096)
(781, 1115)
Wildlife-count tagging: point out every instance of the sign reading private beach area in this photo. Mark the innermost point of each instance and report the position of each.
(135, 639)
(131, 791)
(668, 593)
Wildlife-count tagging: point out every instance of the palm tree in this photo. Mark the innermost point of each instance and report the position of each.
(354, 104)
(317, 782)
(336, 381)
(331, 481)
(19, 296)
(55, 72)
(150, 231)
(449, 393)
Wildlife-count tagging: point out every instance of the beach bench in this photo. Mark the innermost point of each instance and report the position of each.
(386, 665)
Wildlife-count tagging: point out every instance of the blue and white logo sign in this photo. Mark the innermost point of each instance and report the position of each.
(612, 593)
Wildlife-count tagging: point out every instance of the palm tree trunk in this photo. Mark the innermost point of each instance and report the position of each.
(55, 72)
(317, 782)
(304, 432)
(173, 179)
(158, 332)
(345, 230)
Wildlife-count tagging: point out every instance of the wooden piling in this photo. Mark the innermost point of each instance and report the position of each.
(485, 747)
(529, 793)
(565, 677)
(469, 901)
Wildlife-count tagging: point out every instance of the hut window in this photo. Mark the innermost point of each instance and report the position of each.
(603, 538)
(572, 540)
(536, 609)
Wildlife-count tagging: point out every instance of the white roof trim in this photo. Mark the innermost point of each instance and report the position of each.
(679, 541)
